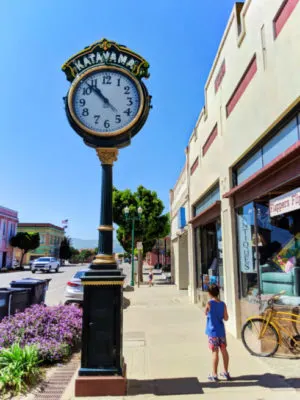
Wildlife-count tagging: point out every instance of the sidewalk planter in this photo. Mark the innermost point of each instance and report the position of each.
(13, 300)
(38, 288)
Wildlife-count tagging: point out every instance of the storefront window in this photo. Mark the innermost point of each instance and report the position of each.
(209, 256)
(208, 200)
(252, 165)
(246, 250)
(269, 251)
(284, 139)
(279, 250)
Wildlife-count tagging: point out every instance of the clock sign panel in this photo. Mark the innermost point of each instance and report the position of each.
(106, 100)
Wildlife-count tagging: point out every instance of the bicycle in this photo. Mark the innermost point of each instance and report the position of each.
(263, 334)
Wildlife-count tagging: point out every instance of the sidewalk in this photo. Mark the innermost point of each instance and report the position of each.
(167, 355)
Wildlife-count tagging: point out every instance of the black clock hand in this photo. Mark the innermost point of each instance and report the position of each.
(100, 94)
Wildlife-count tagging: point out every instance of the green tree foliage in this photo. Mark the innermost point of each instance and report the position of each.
(65, 248)
(153, 223)
(25, 241)
(86, 254)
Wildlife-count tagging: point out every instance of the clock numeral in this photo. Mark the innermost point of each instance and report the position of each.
(129, 101)
(106, 123)
(93, 82)
(82, 102)
(85, 112)
(119, 81)
(118, 119)
(126, 90)
(96, 117)
(128, 112)
(86, 91)
(106, 80)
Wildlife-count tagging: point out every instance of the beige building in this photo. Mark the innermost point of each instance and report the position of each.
(243, 165)
(179, 232)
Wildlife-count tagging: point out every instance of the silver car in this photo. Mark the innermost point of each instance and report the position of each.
(45, 264)
(74, 288)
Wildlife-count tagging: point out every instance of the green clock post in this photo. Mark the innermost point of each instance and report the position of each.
(107, 104)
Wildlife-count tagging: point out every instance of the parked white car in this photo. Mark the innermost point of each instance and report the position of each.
(74, 289)
(45, 264)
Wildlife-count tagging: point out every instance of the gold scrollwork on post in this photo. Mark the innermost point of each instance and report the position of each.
(107, 155)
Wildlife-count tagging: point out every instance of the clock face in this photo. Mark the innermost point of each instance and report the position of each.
(106, 101)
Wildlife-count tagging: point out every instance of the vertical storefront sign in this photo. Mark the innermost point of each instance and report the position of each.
(247, 264)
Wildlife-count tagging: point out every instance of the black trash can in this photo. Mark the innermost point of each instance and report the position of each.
(38, 288)
(13, 300)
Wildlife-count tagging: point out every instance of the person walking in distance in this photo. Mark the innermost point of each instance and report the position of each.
(150, 277)
(216, 313)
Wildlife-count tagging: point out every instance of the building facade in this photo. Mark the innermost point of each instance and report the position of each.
(160, 253)
(180, 215)
(8, 228)
(243, 164)
(50, 240)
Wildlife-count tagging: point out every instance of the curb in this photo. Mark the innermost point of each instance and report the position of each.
(68, 394)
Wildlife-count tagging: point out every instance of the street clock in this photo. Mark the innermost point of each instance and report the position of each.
(107, 103)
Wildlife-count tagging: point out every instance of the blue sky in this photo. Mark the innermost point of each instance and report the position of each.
(47, 173)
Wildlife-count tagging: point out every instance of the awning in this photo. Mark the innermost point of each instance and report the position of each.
(205, 217)
(283, 169)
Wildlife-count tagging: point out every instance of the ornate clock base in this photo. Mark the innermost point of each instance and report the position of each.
(86, 386)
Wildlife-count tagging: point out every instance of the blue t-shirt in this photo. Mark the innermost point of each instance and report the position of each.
(214, 323)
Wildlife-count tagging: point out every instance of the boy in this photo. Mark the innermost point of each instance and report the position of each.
(150, 276)
(216, 312)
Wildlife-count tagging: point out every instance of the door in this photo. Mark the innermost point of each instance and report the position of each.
(209, 254)
(101, 327)
(4, 259)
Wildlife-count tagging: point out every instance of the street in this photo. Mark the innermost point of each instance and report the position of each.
(55, 293)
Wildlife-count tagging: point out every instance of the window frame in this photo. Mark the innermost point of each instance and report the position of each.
(295, 113)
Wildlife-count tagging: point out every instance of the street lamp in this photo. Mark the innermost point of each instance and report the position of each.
(132, 217)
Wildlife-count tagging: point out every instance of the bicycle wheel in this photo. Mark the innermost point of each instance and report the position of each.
(264, 346)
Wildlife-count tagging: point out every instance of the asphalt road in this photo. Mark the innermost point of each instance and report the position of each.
(55, 293)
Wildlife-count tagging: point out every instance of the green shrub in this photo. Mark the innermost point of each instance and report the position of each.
(18, 368)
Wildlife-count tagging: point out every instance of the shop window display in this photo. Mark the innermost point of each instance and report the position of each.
(209, 255)
(269, 251)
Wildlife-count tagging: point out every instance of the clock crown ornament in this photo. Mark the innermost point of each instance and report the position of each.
(106, 52)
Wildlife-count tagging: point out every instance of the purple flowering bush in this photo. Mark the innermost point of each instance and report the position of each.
(55, 331)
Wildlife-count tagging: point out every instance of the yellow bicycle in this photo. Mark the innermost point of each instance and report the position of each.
(263, 334)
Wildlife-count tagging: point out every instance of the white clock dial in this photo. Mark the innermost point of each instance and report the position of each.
(106, 100)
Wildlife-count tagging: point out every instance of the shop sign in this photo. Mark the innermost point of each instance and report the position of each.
(285, 203)
(181, 218)
(247, 264)
(106, 52)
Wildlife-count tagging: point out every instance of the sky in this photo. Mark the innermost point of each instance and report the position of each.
(47, 173)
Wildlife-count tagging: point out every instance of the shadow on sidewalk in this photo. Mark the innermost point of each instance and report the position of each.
(191, 385)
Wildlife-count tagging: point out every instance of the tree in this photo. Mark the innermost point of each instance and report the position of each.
(65, 252)
(25, 241)
(74, 258)
(153, 223)
(86, 255)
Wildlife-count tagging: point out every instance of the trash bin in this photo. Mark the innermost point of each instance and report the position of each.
(13, 300)
(38, 288)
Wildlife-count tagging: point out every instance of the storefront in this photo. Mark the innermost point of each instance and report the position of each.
(208, 243)
(267, 208)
